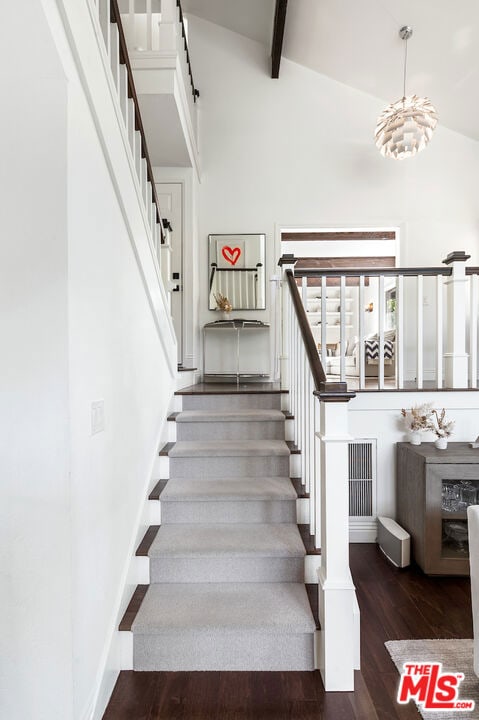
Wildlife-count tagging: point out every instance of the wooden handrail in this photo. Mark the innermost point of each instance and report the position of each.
(317, 370)
(371, 272)
(194, 91)
(125, 60)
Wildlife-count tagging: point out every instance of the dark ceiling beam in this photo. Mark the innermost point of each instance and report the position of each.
(278, 34)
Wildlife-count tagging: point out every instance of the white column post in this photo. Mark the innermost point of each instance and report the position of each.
(455, 357)
(336, 652)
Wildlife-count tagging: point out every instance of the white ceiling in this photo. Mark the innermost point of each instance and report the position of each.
(356, 42)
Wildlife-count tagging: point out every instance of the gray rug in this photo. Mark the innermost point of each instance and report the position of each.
(455, 656)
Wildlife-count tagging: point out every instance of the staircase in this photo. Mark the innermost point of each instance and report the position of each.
(227, 564)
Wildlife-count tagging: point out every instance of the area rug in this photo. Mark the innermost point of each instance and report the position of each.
(456, 656)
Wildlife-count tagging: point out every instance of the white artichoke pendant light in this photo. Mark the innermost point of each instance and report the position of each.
(405, 127)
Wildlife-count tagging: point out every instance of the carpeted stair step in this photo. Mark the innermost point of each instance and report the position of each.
(232, 425)
(226, 626)
(229, 458)
(227, 552)
(232, 401)
(250, 500)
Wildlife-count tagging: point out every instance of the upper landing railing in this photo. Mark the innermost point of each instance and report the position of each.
(108, 16)
(156, 33)
(143, 26)
(394, 328)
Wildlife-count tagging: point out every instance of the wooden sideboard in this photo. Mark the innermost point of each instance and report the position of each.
(438, 536)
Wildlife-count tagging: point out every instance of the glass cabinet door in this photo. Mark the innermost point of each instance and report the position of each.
(456, 496)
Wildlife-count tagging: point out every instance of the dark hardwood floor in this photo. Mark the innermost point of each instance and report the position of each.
(395, 605)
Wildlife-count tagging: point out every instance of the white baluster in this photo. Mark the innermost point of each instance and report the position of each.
(131, 125)
(104, 16)
(123, 93)
(317, 473)
(439, 330)
(138, 164)
(400, 331)
(362, 349)
(420, 333)
(296, 381)
(304, 397)
(153, 219)
(144, 179)
(342, 328)
(115, 54)
(324, 320)
(473, 333)
(311, 456)
(381, 301)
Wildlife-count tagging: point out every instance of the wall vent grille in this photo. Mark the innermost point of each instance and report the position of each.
(362, 478)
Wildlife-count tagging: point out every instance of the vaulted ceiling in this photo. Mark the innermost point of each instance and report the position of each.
(356, 42)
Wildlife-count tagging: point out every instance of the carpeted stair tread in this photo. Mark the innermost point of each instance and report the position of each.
(229, 448)
(226, 608)
(188, 416)
(227, 540)
(219, 489)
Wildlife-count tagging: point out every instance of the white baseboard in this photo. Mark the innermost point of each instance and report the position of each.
(363, 531)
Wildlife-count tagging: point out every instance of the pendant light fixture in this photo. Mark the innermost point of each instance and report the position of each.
(405, 127)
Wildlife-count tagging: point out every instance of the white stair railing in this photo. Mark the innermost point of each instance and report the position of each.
(108, 16)
(321, 432)
(158, 26)
(395, 328)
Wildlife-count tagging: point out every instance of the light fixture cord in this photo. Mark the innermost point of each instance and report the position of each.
(405, 72)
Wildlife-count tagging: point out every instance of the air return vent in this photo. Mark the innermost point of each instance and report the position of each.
(362, 478)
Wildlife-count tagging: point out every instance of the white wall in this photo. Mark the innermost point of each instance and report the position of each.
(35, 534)
(115, 355)
(299, 152)
(81, 321)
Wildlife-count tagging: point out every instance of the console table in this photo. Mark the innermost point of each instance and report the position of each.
(233, 335)
(424, 474)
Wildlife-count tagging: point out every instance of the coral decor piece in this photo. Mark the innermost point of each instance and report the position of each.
(222, 303)
(231, 255)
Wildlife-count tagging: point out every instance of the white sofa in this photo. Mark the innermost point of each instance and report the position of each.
(473, 528)
(333, 366)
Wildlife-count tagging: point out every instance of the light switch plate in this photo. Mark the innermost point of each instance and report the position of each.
(97, 416)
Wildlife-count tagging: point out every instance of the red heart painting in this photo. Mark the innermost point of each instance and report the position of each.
(231, 255)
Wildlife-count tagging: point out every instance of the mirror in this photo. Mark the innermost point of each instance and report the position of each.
(236, 270)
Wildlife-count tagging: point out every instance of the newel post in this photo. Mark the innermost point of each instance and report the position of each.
(168, 32)
(455, 358)
(338, 650)
(286, 262)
